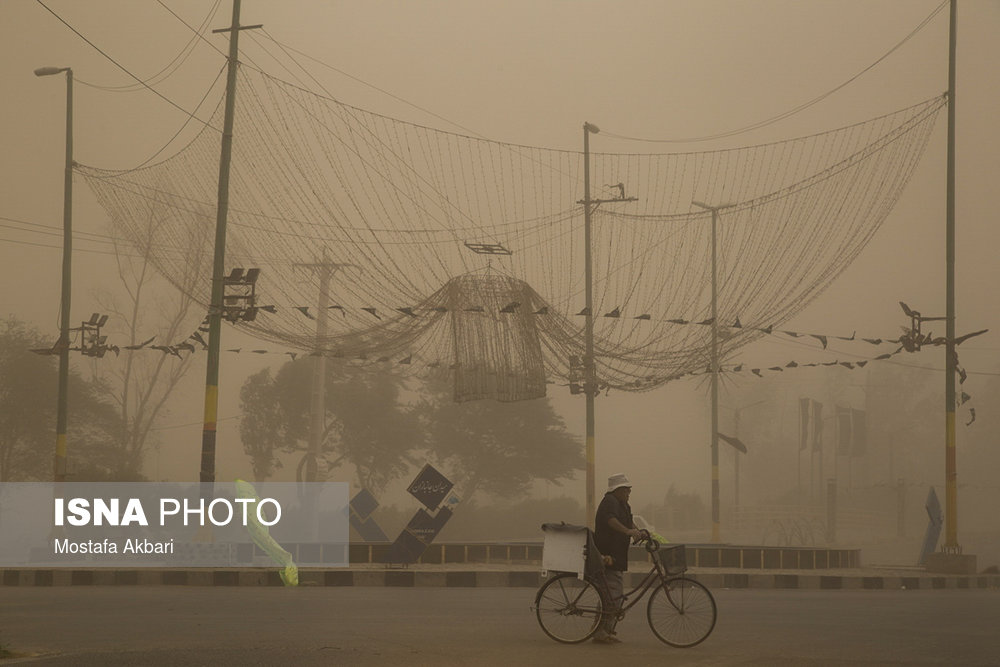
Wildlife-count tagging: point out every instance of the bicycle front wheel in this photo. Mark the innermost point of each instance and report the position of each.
(569, 609)
(681, 612)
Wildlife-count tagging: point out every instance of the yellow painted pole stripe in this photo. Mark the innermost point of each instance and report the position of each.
(211, 406)
(951, 486)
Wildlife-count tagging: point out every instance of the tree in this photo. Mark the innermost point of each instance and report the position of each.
(498, 448)
(365, 423)
(28, 383)
(141, 382)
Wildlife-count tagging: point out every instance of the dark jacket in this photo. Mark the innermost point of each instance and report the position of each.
(609, 541)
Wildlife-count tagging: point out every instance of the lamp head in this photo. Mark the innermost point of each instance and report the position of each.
(49, 71)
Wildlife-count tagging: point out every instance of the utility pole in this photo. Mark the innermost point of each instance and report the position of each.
(715, 366)
(589, 374)
(589, 366)
(325, 268)
(62, 401)
(218, 266)
(951, 473)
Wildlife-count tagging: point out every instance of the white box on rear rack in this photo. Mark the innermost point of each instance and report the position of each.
(565, 548)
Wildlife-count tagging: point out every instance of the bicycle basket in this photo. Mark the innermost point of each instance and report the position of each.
(672, 558)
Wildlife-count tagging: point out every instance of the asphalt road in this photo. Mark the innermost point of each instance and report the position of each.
(167, 625)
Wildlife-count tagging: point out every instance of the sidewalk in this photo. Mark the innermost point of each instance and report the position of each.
(476, 575)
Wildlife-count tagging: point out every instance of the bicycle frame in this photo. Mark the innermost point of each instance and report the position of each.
(656, 572)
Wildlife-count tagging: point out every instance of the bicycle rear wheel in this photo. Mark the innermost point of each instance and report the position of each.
(681, 612)
(569, 609)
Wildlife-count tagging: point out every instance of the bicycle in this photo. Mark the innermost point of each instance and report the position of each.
(681, 612)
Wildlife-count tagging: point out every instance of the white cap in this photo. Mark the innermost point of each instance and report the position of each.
(617, 481)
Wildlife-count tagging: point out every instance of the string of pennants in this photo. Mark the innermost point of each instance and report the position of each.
(912, 340)
(907, 342)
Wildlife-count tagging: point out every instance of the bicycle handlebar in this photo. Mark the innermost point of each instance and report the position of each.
(651, 544)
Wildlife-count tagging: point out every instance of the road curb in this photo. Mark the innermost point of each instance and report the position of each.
(517, 578)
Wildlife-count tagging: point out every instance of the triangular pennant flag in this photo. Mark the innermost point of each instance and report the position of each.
(544, 310)
(791, 364)
(793, 334)
(305, 311)
(830, 363)
(614, 313)
(644, 316)
(235, 349)
(736, 324)
(766, 330)
(407, 311)
(972, 413)
(372, 311)
(407, 360)
(861, 364)
(510, 307)
(873, 341)
(961, 374)
(965, 397)
(820, 338)
(258, 351)
(738, 368)
(585, 311)
(678, 321)
(708, 321)
(756, 371)
(847, 364)
(775, 368)
(270, 309)
(197, 336)
(962, 339)
(851, 337)
(292, 355)
(185, 346)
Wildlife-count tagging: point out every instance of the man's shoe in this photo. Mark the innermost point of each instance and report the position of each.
(605, 639)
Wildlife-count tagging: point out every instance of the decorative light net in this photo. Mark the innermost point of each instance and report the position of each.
(395, 206)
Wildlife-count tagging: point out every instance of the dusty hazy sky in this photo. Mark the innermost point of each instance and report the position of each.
(532, 72)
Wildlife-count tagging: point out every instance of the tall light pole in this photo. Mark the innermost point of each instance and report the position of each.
(589, 372)
(59, 461)
(951, 470)
(715, 366)
(589, 364)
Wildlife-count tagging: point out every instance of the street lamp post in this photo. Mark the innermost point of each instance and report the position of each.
(59, 462)
(715, 367)
(589, 370)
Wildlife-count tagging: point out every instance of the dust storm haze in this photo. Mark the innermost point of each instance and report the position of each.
(703, 74)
